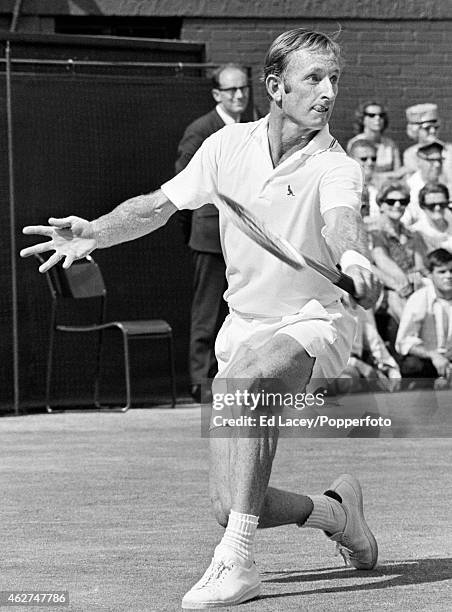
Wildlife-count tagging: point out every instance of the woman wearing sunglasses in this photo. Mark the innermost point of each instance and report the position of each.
(371, 120)
(434, 224)
(396, 250)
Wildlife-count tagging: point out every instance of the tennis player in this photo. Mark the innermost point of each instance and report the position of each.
(285, 326)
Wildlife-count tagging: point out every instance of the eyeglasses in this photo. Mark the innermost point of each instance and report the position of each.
(432, 160)
(427, 125)
(363, 159)
(435, 204)
(401, 201)
(373, 115)
(232, 91)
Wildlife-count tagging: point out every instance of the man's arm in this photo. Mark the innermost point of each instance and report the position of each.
(390, 273)
(344, 231)
(439, 360)
(409, 338)
(74, 238)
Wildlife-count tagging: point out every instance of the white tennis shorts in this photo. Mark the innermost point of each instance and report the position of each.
(325, 332)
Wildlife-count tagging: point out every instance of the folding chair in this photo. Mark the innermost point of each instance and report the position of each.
(84, 280)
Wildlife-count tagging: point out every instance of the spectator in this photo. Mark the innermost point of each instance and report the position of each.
(231, 92)
(435, 220)
(365, 153)
(425, 332)
(371, 120)
(423, 126)
(430, 164)
(370, 360)
(397, 252)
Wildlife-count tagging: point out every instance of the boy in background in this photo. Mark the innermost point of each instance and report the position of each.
(424, 338)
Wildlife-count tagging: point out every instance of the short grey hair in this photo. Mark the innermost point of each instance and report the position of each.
(285, 44)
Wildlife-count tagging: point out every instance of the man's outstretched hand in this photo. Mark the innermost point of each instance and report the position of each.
(71, 238)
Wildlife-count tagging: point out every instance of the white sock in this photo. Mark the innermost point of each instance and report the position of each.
(327, 514)
(238, 539)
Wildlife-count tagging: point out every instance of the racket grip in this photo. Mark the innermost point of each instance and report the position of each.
(346, 283)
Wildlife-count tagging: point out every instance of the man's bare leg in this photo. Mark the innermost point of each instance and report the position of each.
(240, 466)
(240, 471)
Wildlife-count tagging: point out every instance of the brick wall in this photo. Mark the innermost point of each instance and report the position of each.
(397, 51)
(397, 61)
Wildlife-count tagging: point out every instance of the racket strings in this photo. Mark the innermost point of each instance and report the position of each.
(261, 234)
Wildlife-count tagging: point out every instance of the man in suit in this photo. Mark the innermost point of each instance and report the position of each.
(230, 90)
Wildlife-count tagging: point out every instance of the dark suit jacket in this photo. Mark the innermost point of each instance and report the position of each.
(204, 234)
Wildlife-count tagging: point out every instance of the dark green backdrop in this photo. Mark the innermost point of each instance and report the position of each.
(82, 144)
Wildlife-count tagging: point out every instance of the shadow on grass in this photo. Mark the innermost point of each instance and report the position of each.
(391, 574)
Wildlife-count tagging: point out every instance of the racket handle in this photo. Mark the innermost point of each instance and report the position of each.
(346, 283)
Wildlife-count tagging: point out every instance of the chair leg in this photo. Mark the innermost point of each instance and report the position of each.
(172, 370)
(98, 370)
(97, 402)
(50, 362)
(127, 373)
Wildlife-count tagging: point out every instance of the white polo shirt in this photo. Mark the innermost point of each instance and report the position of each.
(290, 199)
(426, 321)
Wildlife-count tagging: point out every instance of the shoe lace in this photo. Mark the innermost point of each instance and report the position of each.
(216, 572)
(344, 552)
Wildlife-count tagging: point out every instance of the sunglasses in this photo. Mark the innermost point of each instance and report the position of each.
(363, 159)
(401, 201)
(433, 206)
(373, 115)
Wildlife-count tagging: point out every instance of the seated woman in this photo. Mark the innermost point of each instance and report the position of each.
(396, 251)
(371, 120)
(434, 224)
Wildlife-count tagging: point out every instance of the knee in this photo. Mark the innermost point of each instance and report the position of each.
(282, 359)
(411, 365)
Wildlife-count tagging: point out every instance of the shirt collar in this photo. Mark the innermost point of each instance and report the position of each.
(228, 120)
(322, 141)
(415, 180)
(432, 296)
(424, 223)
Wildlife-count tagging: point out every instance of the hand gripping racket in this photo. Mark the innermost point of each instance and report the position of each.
(281, 248)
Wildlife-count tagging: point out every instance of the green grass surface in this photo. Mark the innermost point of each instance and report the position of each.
(114, 508)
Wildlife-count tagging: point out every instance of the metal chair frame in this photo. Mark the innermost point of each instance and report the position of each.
(55, 279)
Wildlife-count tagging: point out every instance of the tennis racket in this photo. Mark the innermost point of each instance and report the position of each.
(281, 248)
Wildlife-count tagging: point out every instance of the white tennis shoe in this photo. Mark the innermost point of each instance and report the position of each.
(225, 583)
(356, 543)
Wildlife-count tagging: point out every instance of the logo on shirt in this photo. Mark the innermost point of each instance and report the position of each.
(289, 191)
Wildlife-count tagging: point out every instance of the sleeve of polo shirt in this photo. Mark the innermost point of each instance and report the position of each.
(196, 184)
(341, 184)
(413, 315)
